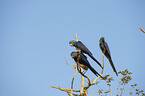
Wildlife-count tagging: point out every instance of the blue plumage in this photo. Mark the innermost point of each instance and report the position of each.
(81, 47)
(105, 49)
(82, 61)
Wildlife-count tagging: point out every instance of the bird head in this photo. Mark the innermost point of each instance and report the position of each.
(102, 40)
(74, 54)
(72, 43)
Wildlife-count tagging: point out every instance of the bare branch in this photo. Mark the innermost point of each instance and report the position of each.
(124, 87)
(83, 81)
(67, 90)
(93, 93)
(117, 88)
(110, 90)
(142, 30)
(69, 64)
(73, 81)
(76, 37)
(101, 72)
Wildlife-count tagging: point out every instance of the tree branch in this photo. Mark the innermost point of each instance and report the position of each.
(83, 81)
(110, 90)
(117, 88)
(123, 89)
(73, 81)
(76, 37)
(101, 72)
(142, 30)
(67, 90)
(69, 64)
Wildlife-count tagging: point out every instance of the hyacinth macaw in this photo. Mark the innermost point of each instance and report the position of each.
(82, 61)
(105, 49)
(81, 47)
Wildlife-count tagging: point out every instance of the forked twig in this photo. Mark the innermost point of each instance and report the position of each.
(124, 87)
(117, 88)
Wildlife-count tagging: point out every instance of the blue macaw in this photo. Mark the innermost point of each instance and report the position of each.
(81, 47)
(82, 61)
(105, 49)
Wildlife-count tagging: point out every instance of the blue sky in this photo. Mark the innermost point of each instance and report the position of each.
(34, 37)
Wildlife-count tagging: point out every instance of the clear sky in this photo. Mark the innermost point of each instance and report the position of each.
(35, 35)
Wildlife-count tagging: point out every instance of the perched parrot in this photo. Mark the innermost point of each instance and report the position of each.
(81, 47)
(82, 61)
(105, 49)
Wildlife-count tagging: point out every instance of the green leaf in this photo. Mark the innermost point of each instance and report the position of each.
(141, 91)
(93, 83)
(107, 92)
(130, 93)
(119, 72)
(137, 93)
(97, 82)
(126, 70)
(135, 84)
(143, 94)
(130, 73)
(100, 91)
(109, 84)
(129, 77)
(132, 85)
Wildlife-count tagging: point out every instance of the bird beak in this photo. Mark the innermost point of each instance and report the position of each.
(72, 56)
(70, 44)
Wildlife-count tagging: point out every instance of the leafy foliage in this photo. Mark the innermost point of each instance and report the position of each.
(123, 83)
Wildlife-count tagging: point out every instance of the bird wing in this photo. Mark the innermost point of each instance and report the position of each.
(83, 48)
(102, 47)
(112, 65)
(85, 62)
(109, 57)
(83, 59)
(106, 47)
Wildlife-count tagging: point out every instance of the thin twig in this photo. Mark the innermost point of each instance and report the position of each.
(69, 64)
(117, 88)
(91, 83)
(86, 87)
(93, 93)
(68, 93)
(101, 72)
(83, 81)
(76, 37)
(84, 75)
(73, 81)
(62, 89)
(110, 90)
(142, 30)
(123, 89)
(101, 88)
(66, 90)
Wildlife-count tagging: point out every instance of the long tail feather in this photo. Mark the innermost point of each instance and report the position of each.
(96, 61)
(112, 65)
(95, 72)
